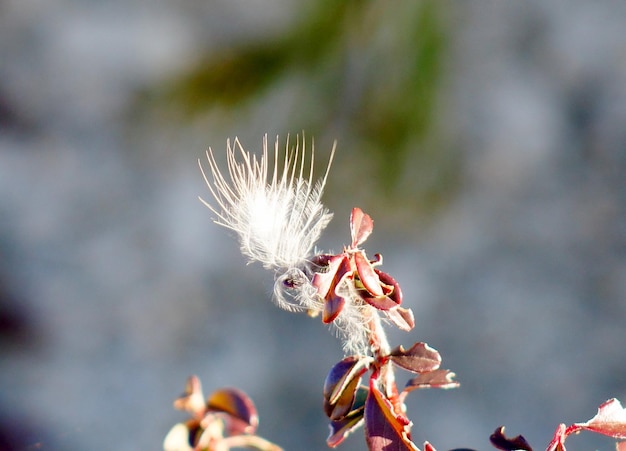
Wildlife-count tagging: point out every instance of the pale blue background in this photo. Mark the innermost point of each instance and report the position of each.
(115, 285)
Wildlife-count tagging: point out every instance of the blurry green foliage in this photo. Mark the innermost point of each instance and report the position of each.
(229, 77)
(235, 75)
(369, 70)
(397, 121)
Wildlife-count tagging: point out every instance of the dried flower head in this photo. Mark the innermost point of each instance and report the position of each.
(276, 210)
(277, 214)
(274, 206)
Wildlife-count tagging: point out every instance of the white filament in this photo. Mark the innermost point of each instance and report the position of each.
(278, 216)
(276, 210)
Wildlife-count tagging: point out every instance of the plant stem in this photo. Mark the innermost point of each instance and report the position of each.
(381, 349)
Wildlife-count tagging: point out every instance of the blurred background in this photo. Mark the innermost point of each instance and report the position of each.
(486, 139)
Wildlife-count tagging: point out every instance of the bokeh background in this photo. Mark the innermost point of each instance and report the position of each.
(487, 139)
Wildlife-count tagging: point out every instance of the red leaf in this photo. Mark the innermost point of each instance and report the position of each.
(327, 279)
(340, 429)
(557, 443)
(326, 283)
(384, 303)
(391, 289)
(396, 293)
(239, 408)
(332, 308)
(385, 430)
(419, 358)
(361, 226)
(500, 441)
(610, 420)
(432, 379)
(367, 275)
(401, 317)
(341, 386)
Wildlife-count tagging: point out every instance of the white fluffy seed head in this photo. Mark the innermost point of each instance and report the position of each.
(276, 208)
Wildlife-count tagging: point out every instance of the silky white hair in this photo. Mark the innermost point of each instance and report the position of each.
(278, 216)
(276, 211)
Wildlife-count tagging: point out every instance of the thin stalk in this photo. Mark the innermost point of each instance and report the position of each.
(381, 349)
